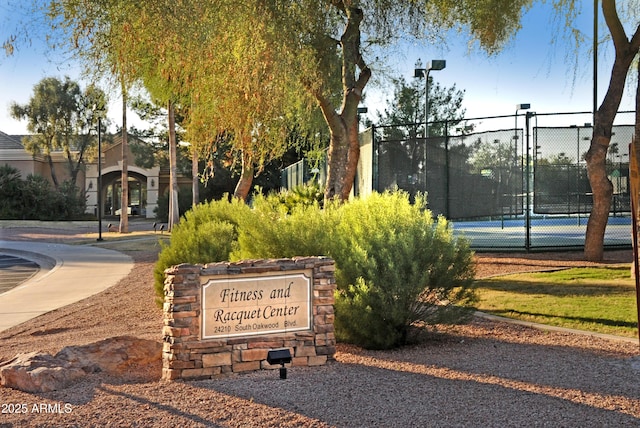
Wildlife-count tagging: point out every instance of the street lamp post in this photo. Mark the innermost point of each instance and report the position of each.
(523, 106)
(435, 64)
(99, 179)
(529, 208)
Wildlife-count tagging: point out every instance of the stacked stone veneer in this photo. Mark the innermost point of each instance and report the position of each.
(187, 356)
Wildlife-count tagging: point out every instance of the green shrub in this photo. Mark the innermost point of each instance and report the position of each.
(395, 266)
(309, 194)
(72, 202)
(208, 233)
(276, 230)
(39, 199)
(35, 198)
(396, 269)
(10, 192)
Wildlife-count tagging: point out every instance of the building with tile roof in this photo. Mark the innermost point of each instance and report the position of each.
(145, 184)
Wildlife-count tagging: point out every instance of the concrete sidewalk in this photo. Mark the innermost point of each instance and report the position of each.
(68, 273)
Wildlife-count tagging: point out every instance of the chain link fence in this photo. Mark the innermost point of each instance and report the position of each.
(517, 181)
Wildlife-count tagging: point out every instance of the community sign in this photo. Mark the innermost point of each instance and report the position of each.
(243, 305)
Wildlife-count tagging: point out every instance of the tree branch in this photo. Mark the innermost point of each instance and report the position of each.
(616, 29)
(635, 40)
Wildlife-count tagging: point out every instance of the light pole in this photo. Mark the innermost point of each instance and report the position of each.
(529, 208)
(435, 64)
(99, 179)
(523, 106)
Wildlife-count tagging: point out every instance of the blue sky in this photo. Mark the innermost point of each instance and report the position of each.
(528, 70)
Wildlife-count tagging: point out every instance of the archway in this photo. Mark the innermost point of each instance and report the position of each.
(112, 188)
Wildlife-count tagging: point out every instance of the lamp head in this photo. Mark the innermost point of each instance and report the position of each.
(526, 106)
(436, 64)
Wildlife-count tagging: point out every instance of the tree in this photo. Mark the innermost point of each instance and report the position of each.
(123, 227)
(220, 71)
(61, 117)
(403, 119)
(626, 49)
(408, 106)
(148, 153)
(96, 34)
(331, 35)
(242, 64)
(403, 153)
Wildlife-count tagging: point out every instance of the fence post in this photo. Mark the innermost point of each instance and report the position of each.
(634, 178)
(527, 238)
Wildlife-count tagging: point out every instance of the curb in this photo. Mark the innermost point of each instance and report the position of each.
(546, 327)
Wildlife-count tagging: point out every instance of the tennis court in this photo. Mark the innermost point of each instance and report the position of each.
(544, 233)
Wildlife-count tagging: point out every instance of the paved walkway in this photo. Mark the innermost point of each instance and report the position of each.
(68, 273)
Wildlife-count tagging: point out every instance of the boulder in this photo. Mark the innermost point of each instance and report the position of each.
(115, 355)
(39, 372)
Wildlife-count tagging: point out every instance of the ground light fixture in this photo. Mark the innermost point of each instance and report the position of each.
(279, 356)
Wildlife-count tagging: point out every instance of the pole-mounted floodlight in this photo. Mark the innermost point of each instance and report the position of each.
(522, 106)
(434, 64)
(526, 167)
(280, 356)
(525, 106)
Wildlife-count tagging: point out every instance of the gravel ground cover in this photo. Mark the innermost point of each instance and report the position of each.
(485, 373)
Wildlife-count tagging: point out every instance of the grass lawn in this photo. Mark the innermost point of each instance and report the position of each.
(602, 300)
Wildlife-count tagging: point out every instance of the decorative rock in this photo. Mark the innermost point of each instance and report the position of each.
(114, 355)
(39, 372)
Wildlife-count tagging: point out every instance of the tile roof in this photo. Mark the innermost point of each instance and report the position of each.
(10, 141)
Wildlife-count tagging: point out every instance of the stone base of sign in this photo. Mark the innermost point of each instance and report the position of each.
(187, 356)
